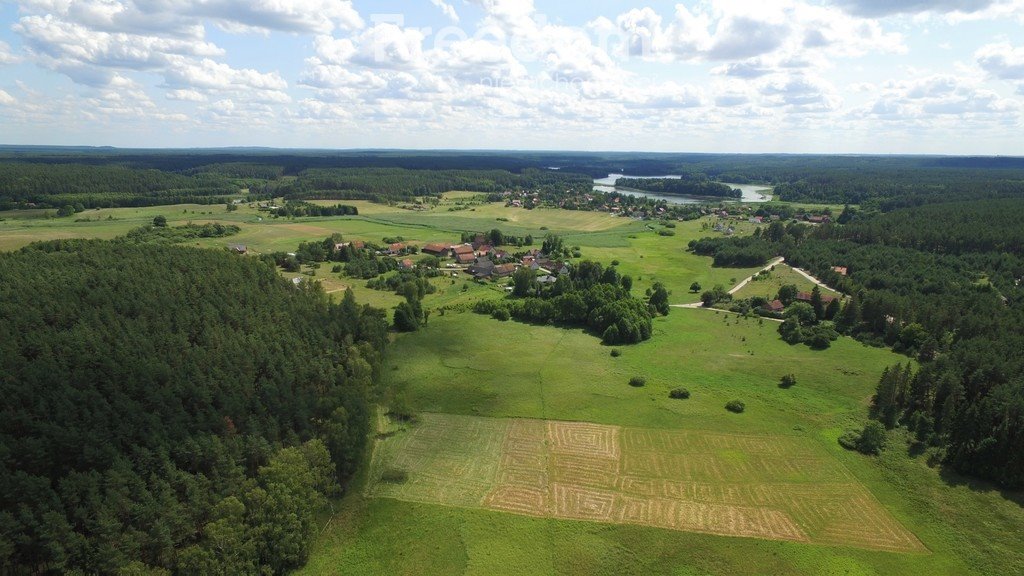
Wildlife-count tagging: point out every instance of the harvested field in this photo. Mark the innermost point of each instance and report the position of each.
(772, 487)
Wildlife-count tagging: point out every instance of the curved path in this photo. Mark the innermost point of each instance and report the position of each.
(738, 287)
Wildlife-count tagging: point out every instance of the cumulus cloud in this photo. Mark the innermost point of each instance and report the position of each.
(753, 38)
(6, 99)
(935, 96)
(184, 17)
(62, 45)
(1002, 61)
(891, 7)
(800, 93)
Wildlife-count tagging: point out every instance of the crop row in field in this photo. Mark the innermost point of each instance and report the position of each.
(772, 487)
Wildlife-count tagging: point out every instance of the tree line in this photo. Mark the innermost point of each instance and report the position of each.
(680, 187)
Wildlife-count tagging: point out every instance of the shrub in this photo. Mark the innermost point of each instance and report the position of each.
(637, 381)
(849, 439)
(501, 314)
(616, 353)
(679, 393)
(787, 381)
(394, 476)
(870, 440)
(735, 406)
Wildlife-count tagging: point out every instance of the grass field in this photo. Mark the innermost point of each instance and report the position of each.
(492, 375)
(768, 286)
(471, 365)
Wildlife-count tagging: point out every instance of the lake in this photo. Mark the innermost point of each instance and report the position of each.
(751, 192)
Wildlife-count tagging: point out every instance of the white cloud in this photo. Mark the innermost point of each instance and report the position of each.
(890, 7)
(753, 39)
(6, 99)
(6, 56)
(388, 46)
(800, 93)
(1002, 61)
(207, 74)
(185, 17)
(186, 95)
(447, 9)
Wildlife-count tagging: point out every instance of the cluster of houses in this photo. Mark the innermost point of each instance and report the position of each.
(483, 261)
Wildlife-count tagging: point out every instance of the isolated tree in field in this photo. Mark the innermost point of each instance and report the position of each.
(695, 287)
(659, 299)
(66, 210)
(787, 381)
(787, 294)
(872, 439)
(160, 221)
(522, 281)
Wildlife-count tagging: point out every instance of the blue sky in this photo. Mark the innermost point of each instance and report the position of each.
(831, 76)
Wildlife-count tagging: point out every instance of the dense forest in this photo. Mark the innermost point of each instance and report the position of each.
(680, 187)
(53, 177)
(56, 185)
(170, 408)
(940, 283)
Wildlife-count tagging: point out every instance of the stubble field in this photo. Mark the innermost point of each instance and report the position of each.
(757, 486)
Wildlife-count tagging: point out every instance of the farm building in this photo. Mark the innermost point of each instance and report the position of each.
(806, 297)
(503, 270)
(436, 249)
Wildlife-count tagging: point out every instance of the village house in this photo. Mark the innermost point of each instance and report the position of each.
(407, 264)
(238, 248)
(774, 306)
(465, 258)
(504, 270)
(483, 268)
(440, 250)
(396, 248)
(806, 297)
(841, 270)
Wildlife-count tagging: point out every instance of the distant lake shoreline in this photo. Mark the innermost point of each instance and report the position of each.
(751, 192)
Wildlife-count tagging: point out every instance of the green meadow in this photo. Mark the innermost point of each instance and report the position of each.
(462, 363)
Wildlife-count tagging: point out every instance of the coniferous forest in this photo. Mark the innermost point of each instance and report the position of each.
(174, 409)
